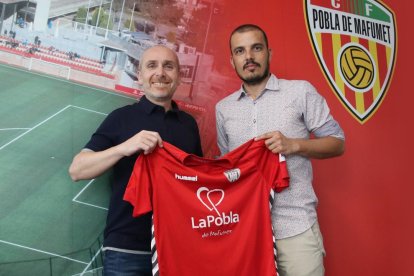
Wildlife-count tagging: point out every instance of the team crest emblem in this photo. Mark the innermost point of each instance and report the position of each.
(232, 175)
(355, 43)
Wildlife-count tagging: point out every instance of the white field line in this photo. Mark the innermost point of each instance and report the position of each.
(74, 199)
(88, 204)
(90, 182)
(30, 129)
(47, 119)
(84, 188)
(90, 263)
(89, 110)
(44, 252)
(91, 205)
(14, 128)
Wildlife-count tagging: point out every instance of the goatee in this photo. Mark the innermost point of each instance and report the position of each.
(253, 80)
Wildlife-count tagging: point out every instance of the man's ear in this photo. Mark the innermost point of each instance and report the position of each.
(270, 54)
(232, 62)
(139, 81)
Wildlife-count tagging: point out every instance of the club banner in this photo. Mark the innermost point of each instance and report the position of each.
(355, 43)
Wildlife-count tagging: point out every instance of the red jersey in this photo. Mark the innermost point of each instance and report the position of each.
(210, 216)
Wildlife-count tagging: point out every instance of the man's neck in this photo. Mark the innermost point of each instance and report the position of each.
(254, 90)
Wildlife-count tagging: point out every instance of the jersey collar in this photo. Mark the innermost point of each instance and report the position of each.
(194, 160)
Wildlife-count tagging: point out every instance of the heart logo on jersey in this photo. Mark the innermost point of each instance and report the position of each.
(210, 198)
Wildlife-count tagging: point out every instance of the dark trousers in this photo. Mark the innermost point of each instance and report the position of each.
(126, 264)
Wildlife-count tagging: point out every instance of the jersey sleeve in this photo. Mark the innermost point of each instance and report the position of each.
(282, 176)
(139, 188)
(274, 169)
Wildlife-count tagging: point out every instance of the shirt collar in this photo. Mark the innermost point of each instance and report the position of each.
(150, 107)
(188, 159)
(271, 85)
(194, 160)
(227, 161)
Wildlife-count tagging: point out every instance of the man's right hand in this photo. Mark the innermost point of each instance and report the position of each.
(144, 141)
(90, 164)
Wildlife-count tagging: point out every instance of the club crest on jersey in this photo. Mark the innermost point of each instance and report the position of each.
(211, 199)
(232, 175)
(355, 44)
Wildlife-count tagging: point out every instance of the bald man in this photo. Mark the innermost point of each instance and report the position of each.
(123, 135)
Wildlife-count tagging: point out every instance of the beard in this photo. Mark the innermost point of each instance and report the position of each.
(255, 79)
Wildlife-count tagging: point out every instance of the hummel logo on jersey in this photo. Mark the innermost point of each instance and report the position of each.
(187, 178)
(211, 199)
(232, 175)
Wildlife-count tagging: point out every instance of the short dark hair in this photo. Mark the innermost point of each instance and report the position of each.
(248, 27)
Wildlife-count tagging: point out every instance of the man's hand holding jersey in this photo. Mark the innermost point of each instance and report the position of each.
(143, 142)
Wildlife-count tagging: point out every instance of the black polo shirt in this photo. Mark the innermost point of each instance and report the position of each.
(176, 127)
